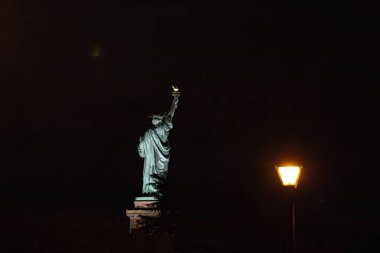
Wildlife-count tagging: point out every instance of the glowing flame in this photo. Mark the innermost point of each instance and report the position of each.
(175, 88)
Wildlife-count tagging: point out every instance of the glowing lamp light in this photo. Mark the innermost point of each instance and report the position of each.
(289, 175)
(96, 51)
(175, 89)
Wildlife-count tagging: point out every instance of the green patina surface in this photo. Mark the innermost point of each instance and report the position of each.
(154, 146)
(145, 198)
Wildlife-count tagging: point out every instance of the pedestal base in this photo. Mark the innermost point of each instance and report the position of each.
(142, 207)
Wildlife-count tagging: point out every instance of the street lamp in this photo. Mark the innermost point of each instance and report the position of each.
(289, 176)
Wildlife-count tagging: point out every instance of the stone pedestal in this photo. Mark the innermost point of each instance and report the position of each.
(142, 207)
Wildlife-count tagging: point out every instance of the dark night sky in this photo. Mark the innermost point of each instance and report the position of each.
(261, 84)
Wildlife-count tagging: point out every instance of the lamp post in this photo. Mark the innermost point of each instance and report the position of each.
(289, 176)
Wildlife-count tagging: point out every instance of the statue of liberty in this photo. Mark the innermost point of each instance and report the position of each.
(154, 146)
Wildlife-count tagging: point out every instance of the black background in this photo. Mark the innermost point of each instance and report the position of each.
(262, 83)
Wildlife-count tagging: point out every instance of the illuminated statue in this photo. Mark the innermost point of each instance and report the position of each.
(154, 146)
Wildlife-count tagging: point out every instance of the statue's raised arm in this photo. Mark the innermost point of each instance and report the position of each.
(175, 94)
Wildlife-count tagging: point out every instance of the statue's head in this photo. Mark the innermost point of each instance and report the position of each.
(157, 119)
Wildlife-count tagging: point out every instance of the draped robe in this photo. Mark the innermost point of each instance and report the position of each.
(154, 148)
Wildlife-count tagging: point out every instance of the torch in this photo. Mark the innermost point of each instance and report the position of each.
(175, 93)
